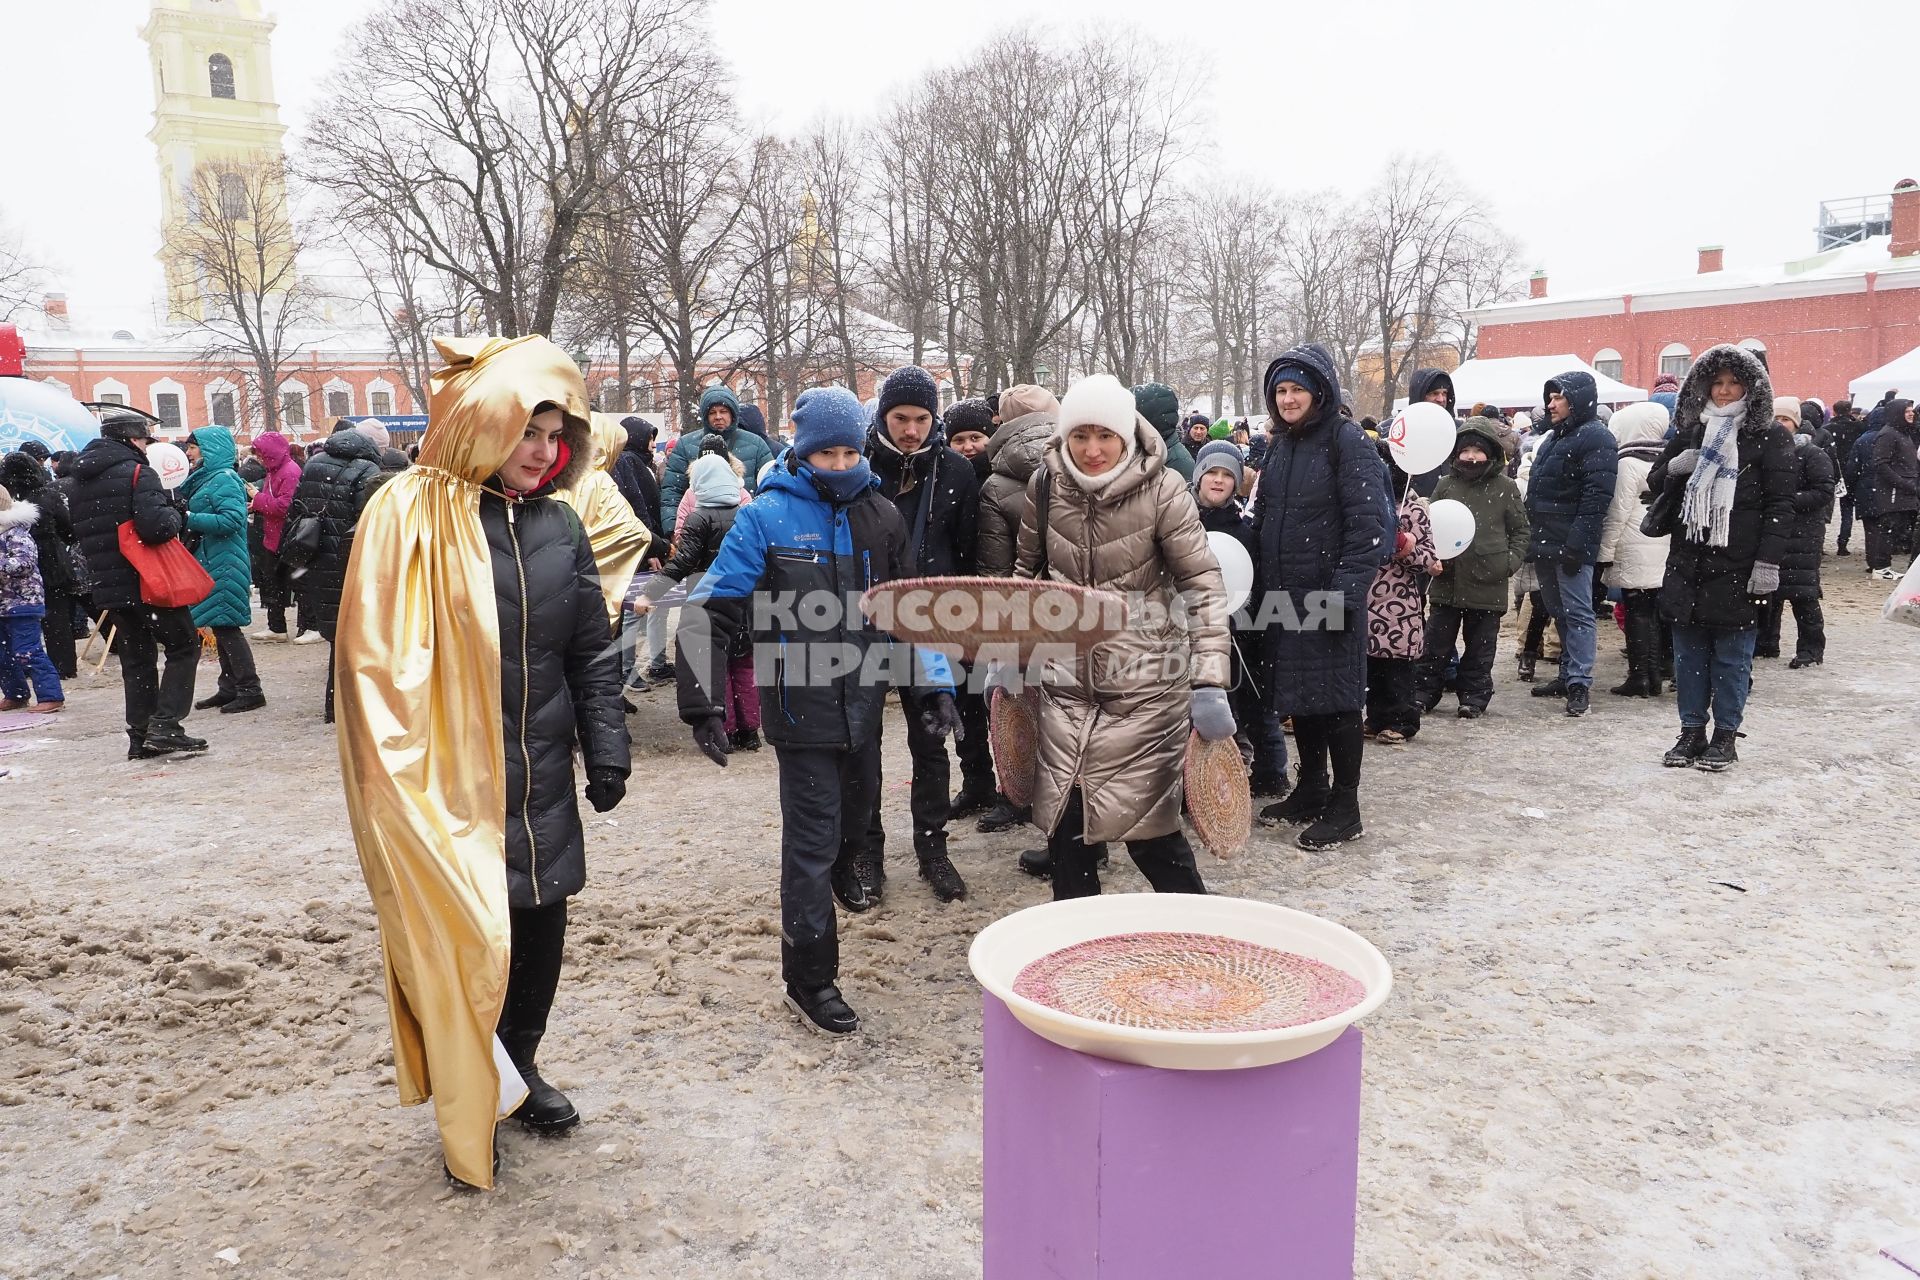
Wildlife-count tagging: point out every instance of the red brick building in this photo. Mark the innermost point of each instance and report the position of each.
(1821, 320)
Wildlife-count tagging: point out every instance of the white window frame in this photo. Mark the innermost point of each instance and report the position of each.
(333, 387)
(111, 387)
(1676, 351)
(1605, 356)
(169, 387)
(1752, 344)
(219, 385)
(289, 386)
(380, 386)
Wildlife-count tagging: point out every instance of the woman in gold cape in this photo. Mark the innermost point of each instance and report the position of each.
(620, 541)
(445, 810)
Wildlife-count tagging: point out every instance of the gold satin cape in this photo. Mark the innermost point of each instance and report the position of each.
(422, 747)
(618, 539)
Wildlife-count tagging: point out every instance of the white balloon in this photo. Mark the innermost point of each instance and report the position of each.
(170, 461)
(1452, 527)
(1236, 566)
(1420, 437)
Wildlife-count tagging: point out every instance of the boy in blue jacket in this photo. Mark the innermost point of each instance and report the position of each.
(791, 572)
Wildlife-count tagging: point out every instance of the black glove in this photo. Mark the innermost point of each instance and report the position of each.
(710, 735)
(940, 717)
(1571, 561)
(605, 788)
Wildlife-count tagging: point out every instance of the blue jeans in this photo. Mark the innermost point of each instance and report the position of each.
(24, 660)
(1712, 666)
(1569, 598)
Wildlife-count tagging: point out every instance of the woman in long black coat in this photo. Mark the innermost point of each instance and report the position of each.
(1800, 570)
(1724, 489)
(1325, 524)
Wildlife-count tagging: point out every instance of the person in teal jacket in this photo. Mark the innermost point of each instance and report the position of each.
(719, 414)
(217, 499)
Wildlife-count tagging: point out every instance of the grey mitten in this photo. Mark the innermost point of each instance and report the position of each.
(1765, 580)
(1212, 717)
(1684, 462)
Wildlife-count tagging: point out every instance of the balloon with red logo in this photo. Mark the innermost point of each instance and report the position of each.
(1420, 437)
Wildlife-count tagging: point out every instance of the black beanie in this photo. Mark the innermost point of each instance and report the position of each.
(909, 385)
(970, 415)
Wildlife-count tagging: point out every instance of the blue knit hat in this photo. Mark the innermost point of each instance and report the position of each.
(825, 417)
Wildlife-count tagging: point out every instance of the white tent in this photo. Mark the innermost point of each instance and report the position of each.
(1901, 372)
(1518, 382)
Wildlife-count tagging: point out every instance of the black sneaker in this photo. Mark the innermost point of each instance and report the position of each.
(1578, 699)
(1684, 752)
(749, 740)
(1524, 667)
(1554, 688)
(658, 673)
(939, 872)
(1798, 663)
(1037, 862)
(974, 798)
(847, 889)
(1470, 713)
(244, 702)
(1719, 755)
(823, 1009)
(1842, 551)
(1004, 816)
(1268, 783)
(215, 701)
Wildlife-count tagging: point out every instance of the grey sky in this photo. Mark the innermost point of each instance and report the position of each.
(1611, 139)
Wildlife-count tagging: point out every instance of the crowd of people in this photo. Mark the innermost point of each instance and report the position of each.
(1696, 520)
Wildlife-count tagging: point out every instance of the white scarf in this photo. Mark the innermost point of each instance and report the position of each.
(1707, 511)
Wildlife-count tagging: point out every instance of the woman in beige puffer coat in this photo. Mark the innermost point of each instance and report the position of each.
(1114, 726)
(1028, 416)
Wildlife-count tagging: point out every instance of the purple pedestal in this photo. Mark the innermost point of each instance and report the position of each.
(1099, 1170)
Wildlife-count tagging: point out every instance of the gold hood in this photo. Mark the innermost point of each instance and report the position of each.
(619, 540)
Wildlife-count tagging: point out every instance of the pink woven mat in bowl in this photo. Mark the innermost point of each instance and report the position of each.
(1188, 982)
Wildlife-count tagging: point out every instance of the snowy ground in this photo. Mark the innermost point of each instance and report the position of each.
(1600, 1060)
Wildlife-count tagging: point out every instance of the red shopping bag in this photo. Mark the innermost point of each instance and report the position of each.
(170, 578)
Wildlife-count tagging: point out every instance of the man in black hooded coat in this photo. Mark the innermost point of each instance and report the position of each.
(1435, 386)
(1569, 490)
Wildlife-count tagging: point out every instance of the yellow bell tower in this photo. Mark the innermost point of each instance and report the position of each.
(213, 102)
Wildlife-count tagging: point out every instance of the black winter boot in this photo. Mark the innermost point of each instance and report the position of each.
(172, 742)
(937, 869)
(844, 878)
(873, 875)
(1004, 816)
(1339, 822)
(244, 702)
(1526, 663)
(1682, 754)
(214, 700)
(1578, 699)
(1039, 862)
(1720, 754)
(1554, 688)
(977, 795)
(546, 1110)
(1302, 805)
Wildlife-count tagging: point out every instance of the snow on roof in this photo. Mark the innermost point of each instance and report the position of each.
(1902, 373)
(1873, 254)
(1519, 382)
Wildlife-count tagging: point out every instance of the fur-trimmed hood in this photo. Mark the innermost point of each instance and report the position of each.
(18, 514)
(1695, 389)
(1583, 399)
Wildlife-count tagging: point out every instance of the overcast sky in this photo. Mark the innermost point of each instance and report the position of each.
(1612, 140)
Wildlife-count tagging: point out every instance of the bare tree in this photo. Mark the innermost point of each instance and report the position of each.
(1325, 280)
(486, 132)
(238, 243)
(911, 264)
(1418, 229)
(780, 307)
(680, 196)
(21, 275)
(1489, 273)
(1141, 125)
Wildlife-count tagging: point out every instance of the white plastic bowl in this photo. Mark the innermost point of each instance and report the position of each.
(1007, 946)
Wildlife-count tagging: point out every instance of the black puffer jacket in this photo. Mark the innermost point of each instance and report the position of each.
(694, 547)
(27, 480)
(559, 685)
(1812, 508)
(941, 509)
(1896, 462)
(634, 476)
(1706, 585)
(1325, 523)
(338, 480)
(113, 484)
(1571, 482)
